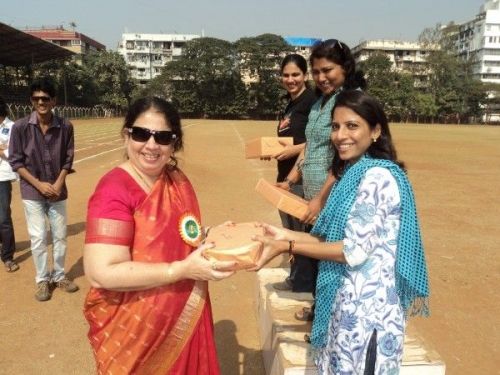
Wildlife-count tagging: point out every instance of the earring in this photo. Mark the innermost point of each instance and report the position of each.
(374, 140)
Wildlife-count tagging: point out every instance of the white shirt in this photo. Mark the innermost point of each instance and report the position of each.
(6, 173)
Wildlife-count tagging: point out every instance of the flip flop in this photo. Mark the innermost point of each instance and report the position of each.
(305, 315)
(11, 266)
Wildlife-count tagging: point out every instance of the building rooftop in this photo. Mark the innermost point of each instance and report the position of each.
(59, 33)
(18, 48)
(297, 41)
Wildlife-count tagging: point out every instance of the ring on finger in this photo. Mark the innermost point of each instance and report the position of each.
(214, 265)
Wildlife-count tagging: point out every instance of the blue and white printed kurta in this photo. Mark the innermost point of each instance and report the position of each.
(367, 300)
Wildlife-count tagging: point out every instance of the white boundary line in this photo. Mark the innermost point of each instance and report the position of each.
(114, 149)
(99, 154)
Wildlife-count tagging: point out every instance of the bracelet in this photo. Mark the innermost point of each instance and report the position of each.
(207, 229)
(291, 245)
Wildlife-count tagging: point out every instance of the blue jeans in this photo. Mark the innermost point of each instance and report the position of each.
(37, 213)
(6, 227)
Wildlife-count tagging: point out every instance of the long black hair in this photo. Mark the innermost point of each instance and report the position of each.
(339, 53)
(373, 113)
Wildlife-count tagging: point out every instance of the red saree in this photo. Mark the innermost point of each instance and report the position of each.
(164, 330)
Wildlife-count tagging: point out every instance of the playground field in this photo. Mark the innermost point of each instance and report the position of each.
(455, 172)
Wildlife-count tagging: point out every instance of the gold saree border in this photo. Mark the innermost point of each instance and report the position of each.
(162, 360)
(109, 231)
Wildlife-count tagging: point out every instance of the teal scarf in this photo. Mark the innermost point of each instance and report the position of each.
(411, 270)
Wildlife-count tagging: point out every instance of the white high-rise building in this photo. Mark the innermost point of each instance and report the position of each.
(480, 39)
(146, 54)
(405, 56)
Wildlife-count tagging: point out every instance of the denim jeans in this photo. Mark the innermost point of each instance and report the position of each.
(6, 227)
(37, 213)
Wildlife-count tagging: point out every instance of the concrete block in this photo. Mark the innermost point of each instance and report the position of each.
(282, 336)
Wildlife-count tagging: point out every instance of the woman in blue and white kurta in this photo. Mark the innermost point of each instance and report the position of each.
(367, 299)
(372, 272)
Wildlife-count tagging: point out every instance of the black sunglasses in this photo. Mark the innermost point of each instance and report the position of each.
(331, 43)
(162, 137)
(44, 99)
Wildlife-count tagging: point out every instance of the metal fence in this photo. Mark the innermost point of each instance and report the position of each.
(21, 110)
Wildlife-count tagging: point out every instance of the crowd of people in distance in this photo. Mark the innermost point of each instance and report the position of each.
(358, 248)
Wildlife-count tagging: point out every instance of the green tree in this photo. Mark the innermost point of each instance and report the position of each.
(456, 94)
(404, 96)
(260, 58)
(381, 80)
(204, 81)
(424, 108)
(112, 81)
(75, 85)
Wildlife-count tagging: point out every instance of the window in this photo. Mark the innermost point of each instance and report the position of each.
(491, 63)
(491, 76)
(491, 51)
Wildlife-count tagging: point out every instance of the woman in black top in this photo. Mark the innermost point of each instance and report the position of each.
(292, 123)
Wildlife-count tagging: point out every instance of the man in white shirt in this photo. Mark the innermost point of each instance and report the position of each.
(6, 178)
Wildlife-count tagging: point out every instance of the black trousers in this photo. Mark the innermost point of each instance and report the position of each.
(371, 355)
(303, 270)
(303, 275)
(6, 227)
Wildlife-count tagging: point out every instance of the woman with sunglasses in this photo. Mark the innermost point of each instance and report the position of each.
(148, 307)
(292, 123)
(333, 70)
(372, 272)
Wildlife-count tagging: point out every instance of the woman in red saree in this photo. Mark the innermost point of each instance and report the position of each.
(148, 307)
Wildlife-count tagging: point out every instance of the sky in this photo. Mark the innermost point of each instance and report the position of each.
(351, 21)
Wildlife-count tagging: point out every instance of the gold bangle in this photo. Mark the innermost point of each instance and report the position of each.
(291, 245)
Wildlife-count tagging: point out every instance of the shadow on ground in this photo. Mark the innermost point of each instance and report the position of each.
(235, 359)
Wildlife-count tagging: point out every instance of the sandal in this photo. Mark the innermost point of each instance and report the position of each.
(11, 266)
(305, 315)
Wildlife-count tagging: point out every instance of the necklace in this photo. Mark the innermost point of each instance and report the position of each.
(141, 177)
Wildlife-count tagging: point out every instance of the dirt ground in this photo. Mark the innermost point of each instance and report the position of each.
(455, 174)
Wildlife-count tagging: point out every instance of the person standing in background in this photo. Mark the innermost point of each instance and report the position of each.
(41, 151)
(292, 123)
(333, 70)
(6, 177)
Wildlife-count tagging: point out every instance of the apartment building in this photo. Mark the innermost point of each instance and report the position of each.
(479, 39)
(405, 56)
(71, 40)
(146, 54)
